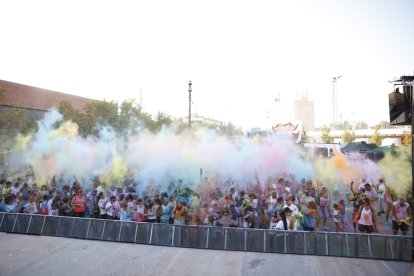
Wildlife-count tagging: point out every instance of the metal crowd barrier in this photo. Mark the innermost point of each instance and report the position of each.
(371, 246)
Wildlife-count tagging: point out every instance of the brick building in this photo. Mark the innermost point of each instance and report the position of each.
(35, 100)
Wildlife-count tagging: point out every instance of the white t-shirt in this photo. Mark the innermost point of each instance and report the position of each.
(113, 210)
(293, 208)
(102, 204)
(336, 216)
(280, 226)
(381, 190)
(400, 212)
(366, 217)
(15, 190)
(373, 198)
(254, 203)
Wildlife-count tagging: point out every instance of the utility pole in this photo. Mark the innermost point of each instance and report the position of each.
(189, 103)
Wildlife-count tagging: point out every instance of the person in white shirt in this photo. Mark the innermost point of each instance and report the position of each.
(291, 206)
(102, 201)
(371, 194)
(295, 210)
(287, 220)
(362, 184)
(381, 193)
(401, 216)
(112, 208)
(16, 188)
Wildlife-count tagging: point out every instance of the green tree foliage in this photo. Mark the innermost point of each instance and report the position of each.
(15, 120)
(407, 139)
(129, 118)
(325, 135)
(376, 138)
(348, 136)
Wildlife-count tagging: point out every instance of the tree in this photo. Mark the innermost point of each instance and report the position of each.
(325, 135)
(15, 120)
(376, 138)
(348, 136)
(407, 139)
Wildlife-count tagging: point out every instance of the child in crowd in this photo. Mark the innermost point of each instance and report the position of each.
(337, 217)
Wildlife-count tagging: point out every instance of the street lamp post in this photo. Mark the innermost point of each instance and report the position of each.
(189, 103)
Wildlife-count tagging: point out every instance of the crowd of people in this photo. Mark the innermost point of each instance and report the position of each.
(284, 204)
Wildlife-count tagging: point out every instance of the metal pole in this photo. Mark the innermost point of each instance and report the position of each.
(189, 103)
(412, 162)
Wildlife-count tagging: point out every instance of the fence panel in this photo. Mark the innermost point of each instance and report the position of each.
(111, 231)
(143, 233)
(379, 246)
(96, 229)
(162, 234)
(36, 224)
(22, 224)
(80, 228)
(235, 239)
(9, 221)
(192, 237)
(215, 236)
(50, 226)
(295, 242)
(65, 227)
(255, 241)
(275, 241)
(337, 245)
(127, 232)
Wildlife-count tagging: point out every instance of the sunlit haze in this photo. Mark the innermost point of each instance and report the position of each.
(239, 55)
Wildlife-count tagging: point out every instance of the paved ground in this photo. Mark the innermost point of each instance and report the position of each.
(40, 255)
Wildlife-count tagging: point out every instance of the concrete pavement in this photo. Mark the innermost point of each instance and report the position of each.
(41, 255)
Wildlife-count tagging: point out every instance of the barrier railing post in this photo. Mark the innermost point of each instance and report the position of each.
(152, 227)
(57, 228)
(264, 240)
(392, 249)
(285, 243)
(136, 231)
(208, 236)
(103, 230)
(87, 231)
(2, 218)
(173, 236)
(14, 224)
(347, 245)
(225, 239)
(43, 225)
(28, 226)
(120, 230)
(369, 246)
(326, 244)
(73, 226)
